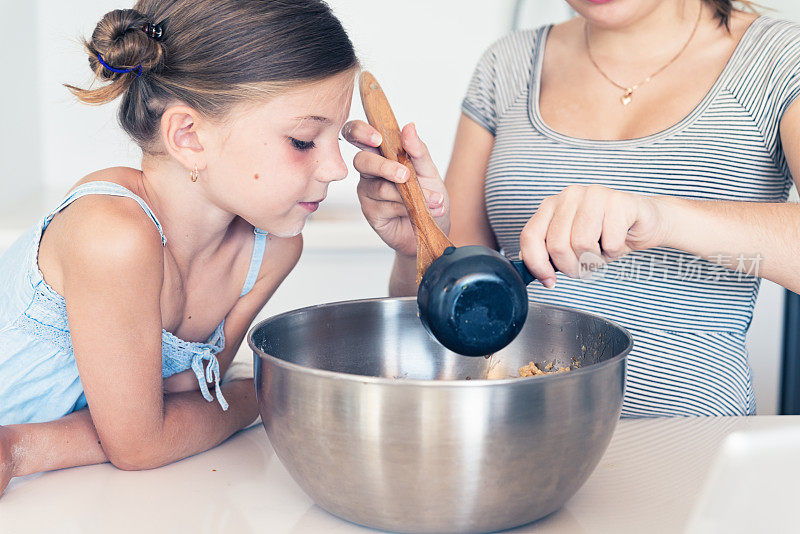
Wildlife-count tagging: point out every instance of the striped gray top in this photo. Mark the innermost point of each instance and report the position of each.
(688, 316)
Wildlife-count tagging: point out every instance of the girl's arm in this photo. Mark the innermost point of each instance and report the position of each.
(112, 279)
(112, 284)
(73, 440)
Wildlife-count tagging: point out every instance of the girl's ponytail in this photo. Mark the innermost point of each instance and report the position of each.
(210, 55)
(124, 47)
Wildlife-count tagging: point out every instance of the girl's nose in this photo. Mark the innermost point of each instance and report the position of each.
(333, 170)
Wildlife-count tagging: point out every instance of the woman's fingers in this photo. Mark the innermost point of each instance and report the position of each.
(615, 232)
(580, 229)
(559, 233)
(378, 189)
(380, 198)
(375, 165)
(382, 191)
(587, 227)
(381, 210)
(533, 248)
(362, 135)
(418, 152)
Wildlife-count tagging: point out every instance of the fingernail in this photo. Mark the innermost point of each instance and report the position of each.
(376, 139)
(436, 199)
(549, 283)
(402, 174)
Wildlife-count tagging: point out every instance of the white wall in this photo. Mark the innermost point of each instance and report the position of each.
(20, 169)
(77, 139)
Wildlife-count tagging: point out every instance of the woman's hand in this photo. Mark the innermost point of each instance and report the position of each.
(585, 227)
(380, 200)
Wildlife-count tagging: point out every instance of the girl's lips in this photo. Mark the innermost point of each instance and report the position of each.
(310, 206)
(599, 1)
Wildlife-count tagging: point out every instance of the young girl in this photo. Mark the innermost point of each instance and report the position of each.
(121, 310)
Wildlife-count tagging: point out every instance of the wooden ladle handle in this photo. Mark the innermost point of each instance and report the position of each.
(431, 241)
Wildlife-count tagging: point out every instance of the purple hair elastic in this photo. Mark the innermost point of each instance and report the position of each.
(119, 71)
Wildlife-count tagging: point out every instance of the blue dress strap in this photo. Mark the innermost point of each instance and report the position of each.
(105, 188)
(209, 375)
(255, 262)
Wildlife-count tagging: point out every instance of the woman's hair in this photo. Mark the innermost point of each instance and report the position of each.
(724, 8)
(210, 54)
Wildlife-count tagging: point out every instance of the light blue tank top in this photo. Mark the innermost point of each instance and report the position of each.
(38, 375)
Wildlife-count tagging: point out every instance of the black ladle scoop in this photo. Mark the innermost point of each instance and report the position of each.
(472, 299)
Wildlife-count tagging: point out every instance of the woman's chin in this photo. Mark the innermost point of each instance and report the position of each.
(610, 15)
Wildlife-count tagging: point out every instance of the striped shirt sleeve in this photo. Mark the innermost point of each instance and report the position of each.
(768, 80)
(502, 75)
(786, 74)
(479, 103)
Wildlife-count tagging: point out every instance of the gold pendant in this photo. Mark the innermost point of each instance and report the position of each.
(627, 97)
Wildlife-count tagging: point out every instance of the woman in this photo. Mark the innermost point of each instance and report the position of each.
(652, 140)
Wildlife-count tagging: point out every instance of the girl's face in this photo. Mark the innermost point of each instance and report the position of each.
(616, 14)
(271, 163)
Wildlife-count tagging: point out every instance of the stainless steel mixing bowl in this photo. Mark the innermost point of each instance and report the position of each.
(382, 426)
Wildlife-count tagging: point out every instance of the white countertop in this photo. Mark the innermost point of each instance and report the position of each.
(648, 481)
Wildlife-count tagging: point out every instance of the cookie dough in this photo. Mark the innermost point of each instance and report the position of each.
(532, 370)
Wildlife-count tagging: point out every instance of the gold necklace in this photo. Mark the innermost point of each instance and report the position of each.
(627, 94)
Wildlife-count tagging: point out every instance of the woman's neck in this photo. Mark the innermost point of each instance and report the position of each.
(656, 34)
(194, 226)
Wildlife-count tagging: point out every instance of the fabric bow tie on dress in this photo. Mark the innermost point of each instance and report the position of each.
(211, 374)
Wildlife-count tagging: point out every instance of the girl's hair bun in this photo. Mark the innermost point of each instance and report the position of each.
(120, 41)
(209, 55)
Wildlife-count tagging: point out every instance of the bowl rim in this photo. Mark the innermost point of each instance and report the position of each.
(477, 382)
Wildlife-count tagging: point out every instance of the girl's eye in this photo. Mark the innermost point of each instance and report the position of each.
(302, 145)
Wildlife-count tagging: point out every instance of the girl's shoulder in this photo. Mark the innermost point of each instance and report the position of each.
(109, 208)
(113, 230)
(127, 177)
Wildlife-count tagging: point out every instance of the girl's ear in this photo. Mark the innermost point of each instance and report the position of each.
(179, 133)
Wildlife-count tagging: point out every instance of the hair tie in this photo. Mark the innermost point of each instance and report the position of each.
(154, 31)
(138, 69)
